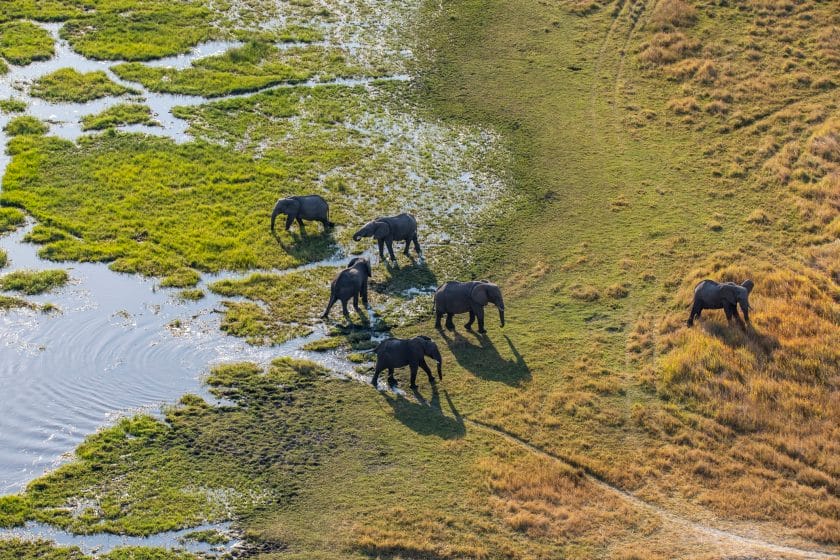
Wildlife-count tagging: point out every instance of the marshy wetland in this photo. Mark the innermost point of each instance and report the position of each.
(170, 391)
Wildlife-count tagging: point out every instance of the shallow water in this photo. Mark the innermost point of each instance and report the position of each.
(104, 542)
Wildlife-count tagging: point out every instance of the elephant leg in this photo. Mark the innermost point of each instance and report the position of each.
(737, 318)
(345, 311)
(300, 225)
(391, 379)
(438, 317)
(376, 373)
(326, 223)
(728, 311)
(479, 314)
(695, 312)
(289, 221)
(365, 294)
(413, 368)
(381, 243)
(417, 245)
(428, 371)
(407, 245)
(449, 324)
(390, 244)
(329, 306)
(468, 324)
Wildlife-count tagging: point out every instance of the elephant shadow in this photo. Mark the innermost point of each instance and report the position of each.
(426, 417)
(484, 360)
(309, 248)
(400, 279)
(760, 344)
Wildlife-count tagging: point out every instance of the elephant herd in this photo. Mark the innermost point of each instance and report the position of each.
(351, 283)
(452, 298)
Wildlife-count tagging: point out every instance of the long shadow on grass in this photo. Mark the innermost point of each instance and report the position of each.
(761, 345)
(479, 356)
(400, 278)
(309, 248)
(426, 417)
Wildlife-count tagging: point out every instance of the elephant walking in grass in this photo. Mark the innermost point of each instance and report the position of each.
(396, 352)
(388, 230)
(709, 294)
(351, 282)
(467, 297)
(310, 207)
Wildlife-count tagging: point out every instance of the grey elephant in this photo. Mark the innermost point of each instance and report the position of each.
(387, 230)
(309, 207)
(709, 294)
(351, 282)
(467, 297)
(411, 352)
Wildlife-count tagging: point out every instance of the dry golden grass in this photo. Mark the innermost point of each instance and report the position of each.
(670, 14)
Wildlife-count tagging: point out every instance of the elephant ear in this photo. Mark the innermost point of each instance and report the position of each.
(294, 205)
(479, 294)
(367, 267)
(748, 285)
(730, 293)
(382, 230)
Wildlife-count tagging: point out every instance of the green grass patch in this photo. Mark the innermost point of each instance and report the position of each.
(119, 115)
(4, 258)
(8, 302)
(12, 105)
(68, 84)
(248, 68)
(209, 536)
(191, 295)
(22, 42)
(33, 282)
(11, 219)
(181, 278)
(26, 124)
(323, 344)
(18, 549)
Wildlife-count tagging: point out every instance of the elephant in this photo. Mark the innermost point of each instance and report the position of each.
(467, 297)
(709, 294)
(310, 207)
(397, 352)
(351, 282)
(387, 230)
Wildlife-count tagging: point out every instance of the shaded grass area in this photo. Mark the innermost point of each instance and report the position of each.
(23, 42)
(251, 67)
(119, 115)
(32, 282)
(68, 84)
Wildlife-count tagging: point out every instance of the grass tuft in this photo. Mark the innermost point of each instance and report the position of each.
(33, 282)
(68, 84)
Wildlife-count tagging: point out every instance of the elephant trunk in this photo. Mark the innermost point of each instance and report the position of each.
(502, 314)
(440, 370)
(439, 359)
(274, 217)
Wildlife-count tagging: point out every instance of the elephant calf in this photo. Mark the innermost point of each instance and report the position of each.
(388, 230)
(310, 207)
(351, 282)
(709, 294)
(411, 352)
(467, 297)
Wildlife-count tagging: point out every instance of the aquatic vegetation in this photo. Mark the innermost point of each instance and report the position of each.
(210, 536)
(119, 115)
(191, 295)
(22, 42)
(12, 105)
(140, 30)
(67, 84)
(251, 67)
(19, 549)
(7, 302)
(11, 219)
(26, 124)
(33, 282)
(4, 258)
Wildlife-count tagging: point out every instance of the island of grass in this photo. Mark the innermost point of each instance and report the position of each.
(26, 125)
(254, 66)
(4, 258)
(121, 114)
(70, 85)
(12, 105)
(33, 282)
(22, 42)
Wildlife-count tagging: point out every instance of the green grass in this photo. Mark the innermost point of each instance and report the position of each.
(7, 302)
(26, 124)
(11, 219)
(67, 84)
(191, 295)
(248, 68)
(32, 282)
(119, 115)
(12, 106)
(22, 42)
(4, 258)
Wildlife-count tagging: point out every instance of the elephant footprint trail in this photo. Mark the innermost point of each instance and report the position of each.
(717, 535)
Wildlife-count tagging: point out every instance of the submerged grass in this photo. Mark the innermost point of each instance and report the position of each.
(68, 84)
(32, 282)
(121, 114)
